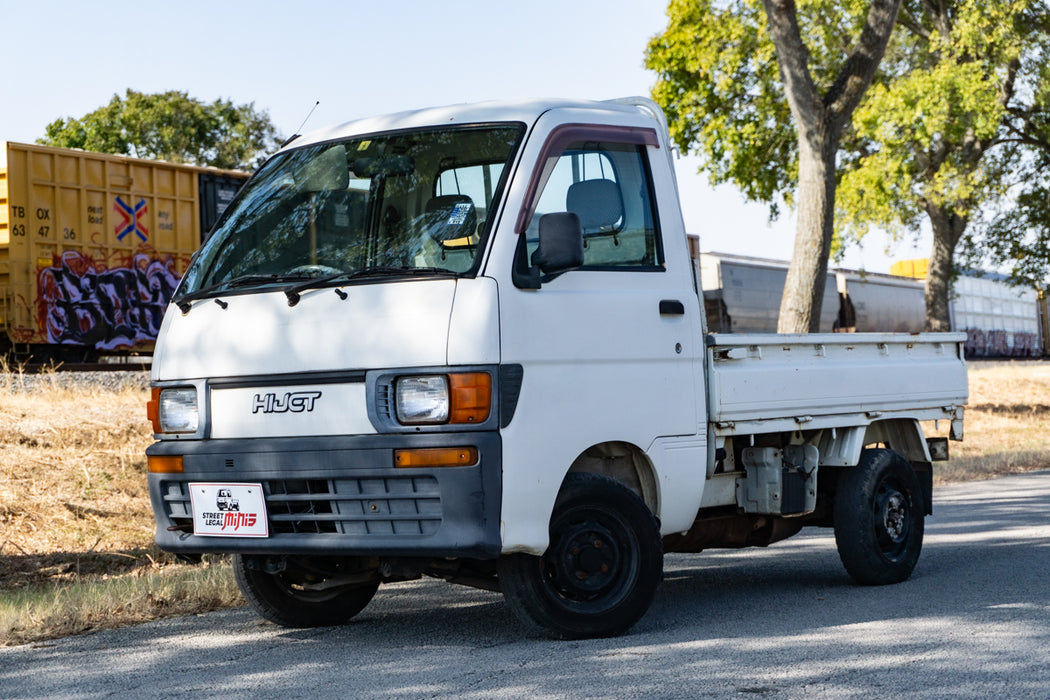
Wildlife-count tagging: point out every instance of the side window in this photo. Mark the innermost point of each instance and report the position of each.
(608, 186)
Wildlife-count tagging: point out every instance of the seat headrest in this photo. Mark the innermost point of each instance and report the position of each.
(598, 203)
(450, 217)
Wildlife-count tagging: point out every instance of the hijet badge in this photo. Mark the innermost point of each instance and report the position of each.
(228, 510)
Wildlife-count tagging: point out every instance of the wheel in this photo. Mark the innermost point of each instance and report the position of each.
(601, 569)
(879, 519)
(287, 599)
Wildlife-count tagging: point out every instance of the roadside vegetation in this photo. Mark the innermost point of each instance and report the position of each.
(76, 527)
(1007, 423)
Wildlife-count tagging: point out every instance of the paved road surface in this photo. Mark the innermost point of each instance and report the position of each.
(784, 622)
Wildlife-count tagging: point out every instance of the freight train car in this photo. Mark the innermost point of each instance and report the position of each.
(1043, 302)
(999, 320)
(92, 247)
(872, 303)
(742, 295)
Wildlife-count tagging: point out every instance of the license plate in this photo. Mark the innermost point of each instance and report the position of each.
(228, 510)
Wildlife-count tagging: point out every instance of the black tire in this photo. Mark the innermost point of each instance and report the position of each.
(281, 598)
(601, 569)
(879, 519)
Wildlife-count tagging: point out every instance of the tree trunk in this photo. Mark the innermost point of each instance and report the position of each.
(803, 298)
(948, 228)
(819, 121)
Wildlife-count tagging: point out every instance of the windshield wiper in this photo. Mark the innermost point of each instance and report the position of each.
(183, 300)
(293, 293)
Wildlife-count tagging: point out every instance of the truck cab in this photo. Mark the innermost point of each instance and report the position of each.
(466, 342)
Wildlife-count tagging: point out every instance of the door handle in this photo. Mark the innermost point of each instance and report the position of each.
(671, 307)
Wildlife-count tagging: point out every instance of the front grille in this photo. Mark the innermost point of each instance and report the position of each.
(361, 507)
(177, 504)
(299, 505)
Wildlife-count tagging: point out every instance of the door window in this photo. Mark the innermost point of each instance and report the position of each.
(608, 186)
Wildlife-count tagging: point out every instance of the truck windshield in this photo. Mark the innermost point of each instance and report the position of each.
(402, 203)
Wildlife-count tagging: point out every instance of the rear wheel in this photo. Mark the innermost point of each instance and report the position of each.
(879, 519)
(308, 592)
(601, 569)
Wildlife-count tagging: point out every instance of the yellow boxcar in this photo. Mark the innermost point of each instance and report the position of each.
(92, 246)
(916, 269)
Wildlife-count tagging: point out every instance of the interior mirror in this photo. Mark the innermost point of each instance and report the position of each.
(561, 243)
(382, 166)
(325, 172)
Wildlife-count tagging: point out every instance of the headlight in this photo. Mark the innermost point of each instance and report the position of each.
(458, 398)
(178, 411)
(422, 399)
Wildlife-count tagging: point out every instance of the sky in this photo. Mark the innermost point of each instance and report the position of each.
(357, 59)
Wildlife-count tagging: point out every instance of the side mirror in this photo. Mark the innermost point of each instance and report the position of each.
(561, 243)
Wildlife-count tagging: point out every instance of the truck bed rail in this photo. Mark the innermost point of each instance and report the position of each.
(821, 380)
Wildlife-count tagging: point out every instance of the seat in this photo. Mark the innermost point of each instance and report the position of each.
(598, 203)
(451, 220)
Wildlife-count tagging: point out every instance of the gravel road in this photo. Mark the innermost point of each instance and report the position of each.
(782, 622)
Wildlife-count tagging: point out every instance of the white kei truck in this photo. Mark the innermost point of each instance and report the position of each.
(467, 342)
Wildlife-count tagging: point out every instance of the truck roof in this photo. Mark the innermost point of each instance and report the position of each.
(526, 111)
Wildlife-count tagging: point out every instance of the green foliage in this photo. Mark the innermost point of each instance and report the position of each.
(718, 82)
(1016, 235)
(171, 126)
(912, 134)
(719, 86)
(956, 126)
(929, 131)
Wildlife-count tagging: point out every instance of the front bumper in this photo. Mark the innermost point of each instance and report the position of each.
(340, 496)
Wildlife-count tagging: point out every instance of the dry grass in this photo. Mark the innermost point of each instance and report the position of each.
(1007, 422)
(76, 527)
(73, 474)
(97, 602)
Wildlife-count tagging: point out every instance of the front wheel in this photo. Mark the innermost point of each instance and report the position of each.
(879, 519)
(308, 592)
(601, 569)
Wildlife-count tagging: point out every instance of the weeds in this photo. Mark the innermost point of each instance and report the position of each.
(76, 526)
(11, 377)
(41, 612)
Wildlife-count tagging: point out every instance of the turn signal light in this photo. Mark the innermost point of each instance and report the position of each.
(164, 464)
(471, 397)
(436, 457)
(153, 409)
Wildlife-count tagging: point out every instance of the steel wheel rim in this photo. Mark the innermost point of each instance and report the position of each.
(593, 561)
(892, 513)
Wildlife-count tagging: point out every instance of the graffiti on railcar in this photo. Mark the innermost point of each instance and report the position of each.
(1000, 343)
(1025, 344)
(83, 302)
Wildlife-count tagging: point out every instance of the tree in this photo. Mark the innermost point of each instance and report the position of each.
(1017, 235)
(171, 126)
(955, 117)
(718, 84)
